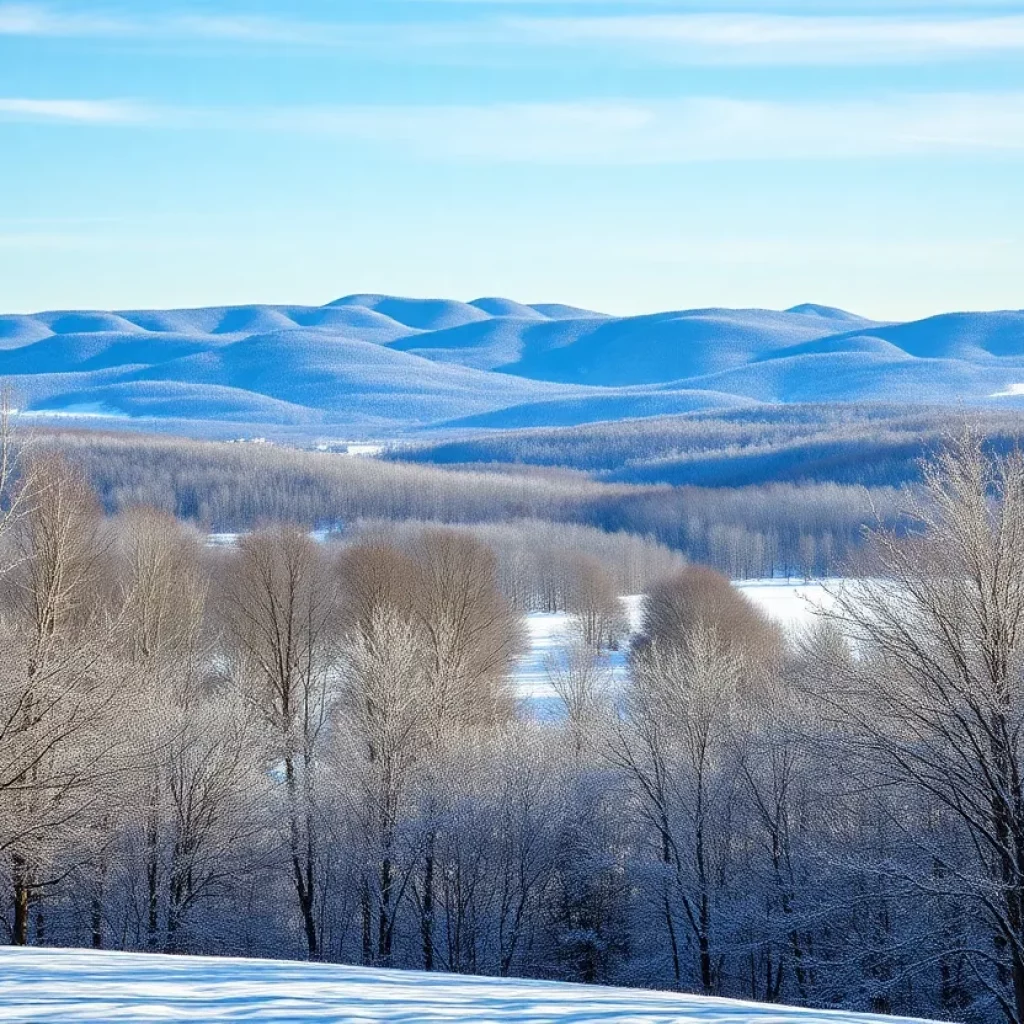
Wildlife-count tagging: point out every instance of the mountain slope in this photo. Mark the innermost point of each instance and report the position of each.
(92, 987)
(384, 365)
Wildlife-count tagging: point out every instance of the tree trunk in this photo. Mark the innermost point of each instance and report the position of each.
(666, 858)
(384, 923)
(302, 874)
(427, 915)
(707, 975)
(96, 909)
(152, 875)
(21, 893)
(367, 914)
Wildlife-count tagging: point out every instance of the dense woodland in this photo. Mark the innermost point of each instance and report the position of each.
(788, 529)
(299, 749)
(869, 444)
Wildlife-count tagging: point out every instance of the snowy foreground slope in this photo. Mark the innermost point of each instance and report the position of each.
(82, 986)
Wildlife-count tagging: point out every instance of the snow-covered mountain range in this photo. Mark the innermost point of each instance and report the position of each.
(379, 365)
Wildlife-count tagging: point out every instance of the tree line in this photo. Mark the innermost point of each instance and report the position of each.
(787, 529)
(544, 566)
(872, 444)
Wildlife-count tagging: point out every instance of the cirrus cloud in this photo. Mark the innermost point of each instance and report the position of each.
(689, 130)
(781, 39)
(74, 111)
(600, 132)
(688, 37)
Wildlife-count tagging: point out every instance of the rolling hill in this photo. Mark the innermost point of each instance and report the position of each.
(376, 365)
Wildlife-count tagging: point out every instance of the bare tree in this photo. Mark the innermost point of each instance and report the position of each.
(784, 759)
(375, 574)
(280, 610)
(163, 592)
(212, 793)
(473, 637)
(473, 633)
(58, 682)
(674, 744)
(595, 605)
(387, 686)
(934, 702)
(696, 597)
(582, 681)
(702, 645)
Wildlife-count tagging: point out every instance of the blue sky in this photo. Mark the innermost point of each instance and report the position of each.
(623, 156)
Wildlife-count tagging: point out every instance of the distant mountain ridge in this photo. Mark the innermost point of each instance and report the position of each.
(385, 365)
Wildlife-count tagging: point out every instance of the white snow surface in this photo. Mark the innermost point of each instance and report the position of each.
(92, 987)
(793, 604)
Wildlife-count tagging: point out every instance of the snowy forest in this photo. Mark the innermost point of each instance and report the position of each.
(288, 747)
(800, 527)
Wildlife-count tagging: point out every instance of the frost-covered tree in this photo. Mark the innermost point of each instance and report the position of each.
(280, 612)
(58, 683)
(935, 702)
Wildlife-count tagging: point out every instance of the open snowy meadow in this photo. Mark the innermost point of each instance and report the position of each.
(791, 603)
(88, 987)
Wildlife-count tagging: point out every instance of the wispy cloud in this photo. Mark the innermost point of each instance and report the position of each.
(679, 131)
(42, 20)
(74, 111)
(658, 29)
(781, 39)
(24, 19)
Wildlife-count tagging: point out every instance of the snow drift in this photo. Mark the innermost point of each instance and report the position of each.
(89, 987)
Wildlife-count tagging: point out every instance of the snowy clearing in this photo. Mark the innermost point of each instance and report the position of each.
(790, 603)
(90, 987)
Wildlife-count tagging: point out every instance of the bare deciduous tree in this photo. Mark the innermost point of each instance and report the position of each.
(163, 599)
(935, 700)
(696, 598)
(58, 683)
(595, 605)
(582, 681)
(280, 609)
(674, 744)
(387, 687)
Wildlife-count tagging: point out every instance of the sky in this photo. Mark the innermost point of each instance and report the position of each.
(622, 156)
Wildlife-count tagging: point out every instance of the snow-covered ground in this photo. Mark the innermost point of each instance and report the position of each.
(89, 987)
(792, 604)
(789, 602)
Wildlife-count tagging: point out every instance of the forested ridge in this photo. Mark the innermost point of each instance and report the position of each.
(775, 528)
(870, 444)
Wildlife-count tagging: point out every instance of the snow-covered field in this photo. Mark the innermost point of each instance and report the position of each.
(89, 987)
(790, 603)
